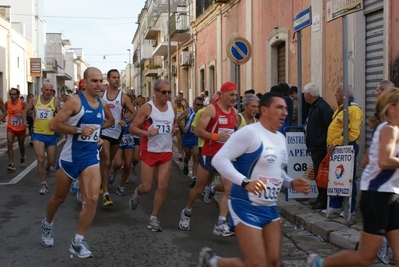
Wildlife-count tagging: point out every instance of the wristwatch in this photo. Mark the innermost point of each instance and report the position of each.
(79, 130)
(245, 182)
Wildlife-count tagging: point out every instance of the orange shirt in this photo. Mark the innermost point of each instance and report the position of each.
(15, 116)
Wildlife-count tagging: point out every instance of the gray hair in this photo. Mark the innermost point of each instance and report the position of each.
(312, 89)
(157, 84)
(385, 84)
(248, 98)
(350, 89)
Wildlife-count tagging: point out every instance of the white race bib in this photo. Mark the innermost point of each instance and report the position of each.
(273, 188)
(93, 137)
(15, 121)
(43, 114)
(163, 127)
(225, 130)
(127, 140)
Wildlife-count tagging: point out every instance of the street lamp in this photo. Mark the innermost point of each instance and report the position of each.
(130, 70)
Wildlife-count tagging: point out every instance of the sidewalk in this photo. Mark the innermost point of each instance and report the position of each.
(334, 230)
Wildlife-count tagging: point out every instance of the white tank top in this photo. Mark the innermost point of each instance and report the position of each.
(115, 106)
(163, 121)
(375, 179)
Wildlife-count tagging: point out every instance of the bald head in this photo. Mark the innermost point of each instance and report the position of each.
(90, 70)
(47, 85)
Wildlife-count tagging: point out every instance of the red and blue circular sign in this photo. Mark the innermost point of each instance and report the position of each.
(239, 50)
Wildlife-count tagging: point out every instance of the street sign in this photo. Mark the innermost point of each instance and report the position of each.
(303, 19)
(339, 8)
(239, 50)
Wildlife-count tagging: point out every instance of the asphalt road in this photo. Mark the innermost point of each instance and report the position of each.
(118, 235)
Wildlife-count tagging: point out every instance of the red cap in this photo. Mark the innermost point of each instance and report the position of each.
(80, 85)
(227, 86)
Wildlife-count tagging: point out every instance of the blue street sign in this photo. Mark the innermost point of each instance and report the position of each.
(303, 19)
(239, 50)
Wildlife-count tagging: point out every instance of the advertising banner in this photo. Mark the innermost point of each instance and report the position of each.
(299, 163)
(340, 177)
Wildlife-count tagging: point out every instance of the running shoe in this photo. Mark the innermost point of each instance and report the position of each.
(134, 200)
(193, 181)
(47, 235)
(80, 249)
(314, 260)
(184, 223)
(22, 164)
(209, 194)
(43, 190)
(107, 201)
(185, 169)
(11, 167)
(121, 191)
(111, 178)
(101, 191)
(342, 214)
(74, 186)
(223, 230)
(154, 225)
(382, 254)
(205, 256)
(79, 195)
(180, 157)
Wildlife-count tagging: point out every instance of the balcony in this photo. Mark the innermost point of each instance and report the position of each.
(50, 65)
(151, 67)
(162, 49)
(179, 27)
(63, 76)
(146, 52)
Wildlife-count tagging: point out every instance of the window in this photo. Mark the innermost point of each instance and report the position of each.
(202, 5)
(202, 80)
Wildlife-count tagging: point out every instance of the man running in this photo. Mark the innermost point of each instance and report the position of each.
(15, 127)
(116, 101)
(81, 120)
(216, 125)
(44, 139)
(155, 124)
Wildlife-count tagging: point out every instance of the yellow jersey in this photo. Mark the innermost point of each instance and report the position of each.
(44, 113)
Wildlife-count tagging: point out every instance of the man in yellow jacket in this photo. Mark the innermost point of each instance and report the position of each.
(335, 138)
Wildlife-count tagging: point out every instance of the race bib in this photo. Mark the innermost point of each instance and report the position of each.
(93, 137)
(127, 140)
(225, 130)
(15, 121)
(163, 127)
(44, 114)
(273, 188)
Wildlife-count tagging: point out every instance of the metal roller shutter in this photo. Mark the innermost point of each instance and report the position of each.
(374, 56)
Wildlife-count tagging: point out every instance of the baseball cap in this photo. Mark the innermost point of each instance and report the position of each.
(228, 86)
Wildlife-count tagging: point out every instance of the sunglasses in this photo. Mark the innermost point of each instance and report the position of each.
(165, 92)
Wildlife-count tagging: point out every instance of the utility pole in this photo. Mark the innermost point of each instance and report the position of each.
(130, 70)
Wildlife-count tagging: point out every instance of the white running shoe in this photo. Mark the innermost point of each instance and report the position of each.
(43, 190)
(80, 248)
(382, 254)
(47, 235)
(223, 230)
(184, 223)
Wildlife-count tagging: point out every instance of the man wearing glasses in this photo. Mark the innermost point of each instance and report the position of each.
(15, 127)
(154, 123)
(190, 140)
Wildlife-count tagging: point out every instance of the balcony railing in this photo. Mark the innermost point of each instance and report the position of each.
(179, 23)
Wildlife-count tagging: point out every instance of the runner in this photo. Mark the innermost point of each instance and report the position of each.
(124, 156)
(81, 120)
(116, 101)
(190, 141)
(217, 123)
(15, 127)
(44, 139)
(257, 175)
(155, 124)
